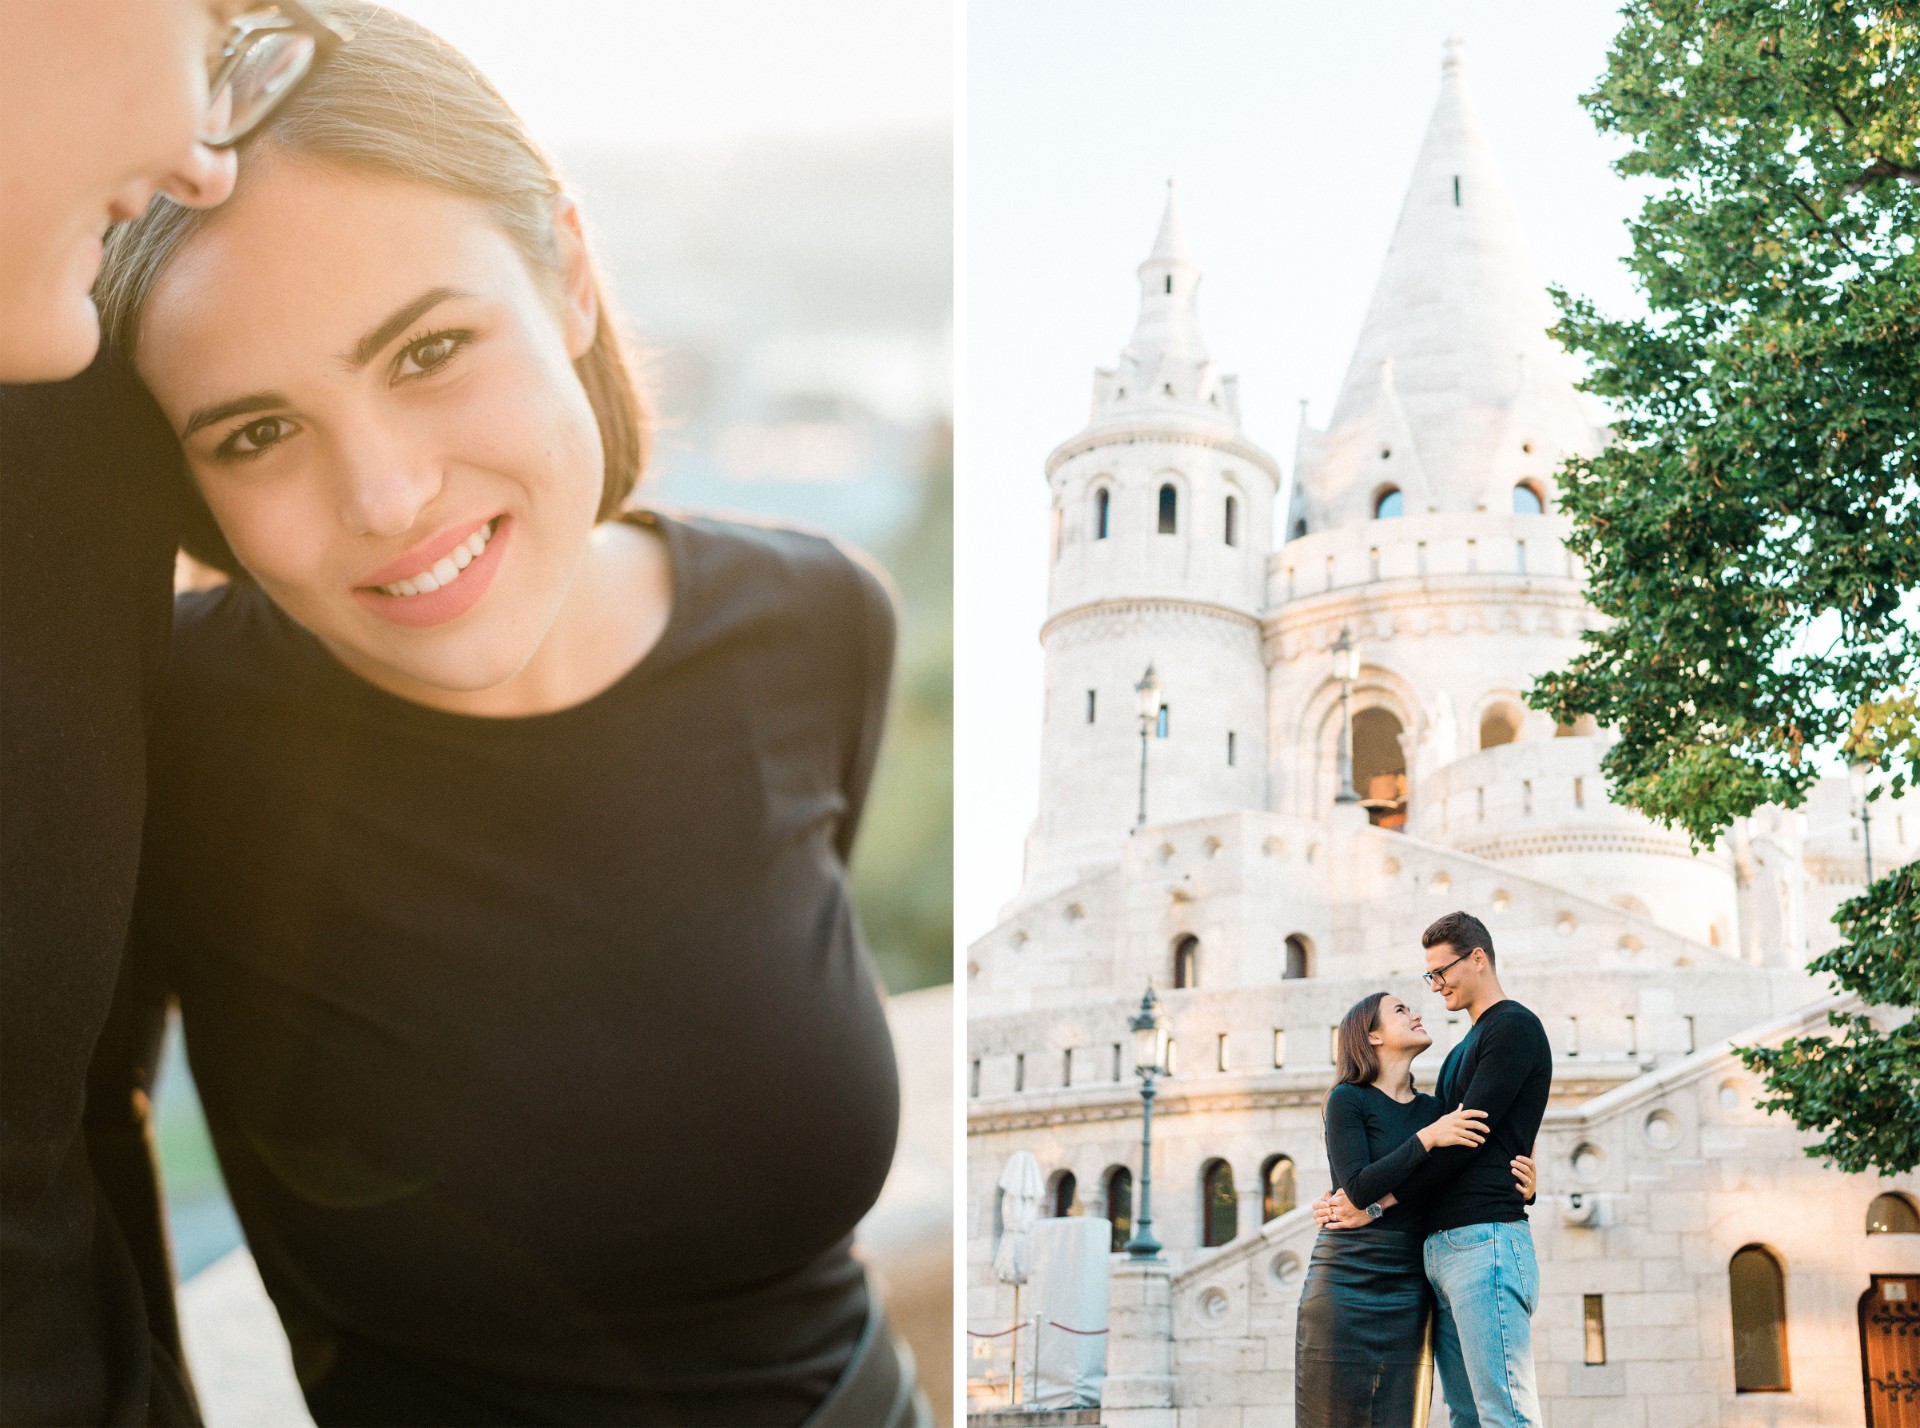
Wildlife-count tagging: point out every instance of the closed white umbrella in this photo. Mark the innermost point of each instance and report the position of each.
(1020, 1190)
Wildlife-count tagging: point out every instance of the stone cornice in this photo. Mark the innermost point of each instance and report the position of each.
(1037, 1110)
(1494, 601)
(1502, 846)
(1136, 433)
(1150, 604)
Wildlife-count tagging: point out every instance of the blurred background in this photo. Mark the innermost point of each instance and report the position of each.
(770, 189)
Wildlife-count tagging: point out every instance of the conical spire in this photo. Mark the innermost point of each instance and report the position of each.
(1453, 356)
(1165, 364)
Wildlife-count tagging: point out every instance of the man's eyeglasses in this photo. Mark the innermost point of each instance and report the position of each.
(269, 49)
(1438, 976)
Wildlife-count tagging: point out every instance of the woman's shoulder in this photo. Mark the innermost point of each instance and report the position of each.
(794, 558)
(1348, 1095)
(747, 570)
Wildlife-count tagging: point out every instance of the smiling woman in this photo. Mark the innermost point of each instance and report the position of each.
(479, 800)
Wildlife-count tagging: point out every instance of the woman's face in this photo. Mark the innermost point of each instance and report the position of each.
(377, 400)
(1399, 1028)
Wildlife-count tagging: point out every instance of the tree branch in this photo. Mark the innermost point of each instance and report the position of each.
(1883, 169)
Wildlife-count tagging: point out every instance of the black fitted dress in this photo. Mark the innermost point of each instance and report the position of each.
(1362, 1357)
(544, 1060)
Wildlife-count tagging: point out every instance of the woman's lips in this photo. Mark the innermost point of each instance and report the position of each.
(451, 600)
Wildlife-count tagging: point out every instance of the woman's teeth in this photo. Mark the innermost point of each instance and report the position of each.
(445, 570)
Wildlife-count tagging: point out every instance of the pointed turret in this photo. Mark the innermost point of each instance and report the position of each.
(1164, 365)
(1453, 366)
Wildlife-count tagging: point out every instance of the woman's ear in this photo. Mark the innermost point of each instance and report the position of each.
(579, 303)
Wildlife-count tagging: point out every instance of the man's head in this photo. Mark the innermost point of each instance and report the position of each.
(101, 107)
(1460, 960)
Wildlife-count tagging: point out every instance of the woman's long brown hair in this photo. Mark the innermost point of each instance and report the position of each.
(1355, 1059)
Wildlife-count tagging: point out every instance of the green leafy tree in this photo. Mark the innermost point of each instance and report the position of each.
(1753, 531)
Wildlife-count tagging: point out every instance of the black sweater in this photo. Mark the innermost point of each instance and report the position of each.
(544, 1061)
(1373, 1144)
(87, 471)
(1503, 1066)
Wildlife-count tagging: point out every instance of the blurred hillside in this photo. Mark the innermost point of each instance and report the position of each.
(794, 299)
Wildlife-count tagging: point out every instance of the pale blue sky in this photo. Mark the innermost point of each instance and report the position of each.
(1292, 129)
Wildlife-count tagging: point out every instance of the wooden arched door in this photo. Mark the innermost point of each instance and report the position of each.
(1890, 1350)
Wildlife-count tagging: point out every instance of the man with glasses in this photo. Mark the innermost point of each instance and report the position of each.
(1479, 1250)
(103, 105)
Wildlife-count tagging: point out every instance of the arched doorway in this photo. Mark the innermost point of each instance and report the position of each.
(1890, 1349)
(1219, 1206)
(1299, 958)
(1277, 1190)
(1186, 963)
(1380, 767)
(1758, 1295)
(1119, 1191)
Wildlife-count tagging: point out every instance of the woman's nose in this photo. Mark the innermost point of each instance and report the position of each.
(203, 179)
(385, 494)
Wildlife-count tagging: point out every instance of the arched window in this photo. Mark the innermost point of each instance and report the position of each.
(1527, 500)
(1892, 1214)
(1299, 958)
(1759, 1297)
(1102, 513)
(1219, 1206)
(1169, 510)
(1299, 529)
(1062, 1190)
(1233, 521)
(1277, 1193)
(1186, 962)
(1499, 725)
(1380, 767)
(1388, 504)
(1119, 1183)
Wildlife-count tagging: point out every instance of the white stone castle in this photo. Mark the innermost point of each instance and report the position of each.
(1697, 1267)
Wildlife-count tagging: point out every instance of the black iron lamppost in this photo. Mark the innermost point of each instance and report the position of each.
(1857, 776)
(1149, 1060)
(1346, 669)
(1149, 691)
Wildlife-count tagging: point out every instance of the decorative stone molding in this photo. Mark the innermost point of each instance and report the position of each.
(1107, 620)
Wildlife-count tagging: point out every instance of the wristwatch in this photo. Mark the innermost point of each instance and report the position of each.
(1375, 1210)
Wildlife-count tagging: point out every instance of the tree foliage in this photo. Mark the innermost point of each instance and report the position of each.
(1860, 1088)
(1752, 533)
(1754, 527)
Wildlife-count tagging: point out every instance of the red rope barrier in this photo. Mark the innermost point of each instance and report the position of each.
(975, 1334)
(1090, 1333)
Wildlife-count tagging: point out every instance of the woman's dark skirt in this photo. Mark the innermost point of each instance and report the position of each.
(1363, 1354)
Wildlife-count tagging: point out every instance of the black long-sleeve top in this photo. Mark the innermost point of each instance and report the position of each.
(1503, 1066)
(1373, 1144)
(87, 522)
(545, 1065)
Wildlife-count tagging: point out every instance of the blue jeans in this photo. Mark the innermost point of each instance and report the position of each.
(1487, 1283)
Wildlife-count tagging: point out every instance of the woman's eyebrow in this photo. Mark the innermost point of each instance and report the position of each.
(368, 347)
(364, 351)
(239, 406)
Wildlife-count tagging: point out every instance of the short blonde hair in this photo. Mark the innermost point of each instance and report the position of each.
(398, 101)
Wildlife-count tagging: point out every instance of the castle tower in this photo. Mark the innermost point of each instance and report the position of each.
(1424, 521)
(1162, 523)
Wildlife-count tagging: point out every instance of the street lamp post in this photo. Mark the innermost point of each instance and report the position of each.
(1346, 668)
(1149, 1057)
(1148, 690)
(1857, 775)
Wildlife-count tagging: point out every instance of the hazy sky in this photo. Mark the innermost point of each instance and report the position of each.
(1292, 129)
(651, 72)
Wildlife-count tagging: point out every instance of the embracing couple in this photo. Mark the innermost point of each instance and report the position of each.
(1424, 1253)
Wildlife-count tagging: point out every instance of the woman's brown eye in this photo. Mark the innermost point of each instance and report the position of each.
(261, 433)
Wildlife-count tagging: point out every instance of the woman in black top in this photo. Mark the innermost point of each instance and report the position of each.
(498, 839)
(1362, 1357)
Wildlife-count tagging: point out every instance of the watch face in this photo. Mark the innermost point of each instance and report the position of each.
(1374, 1212)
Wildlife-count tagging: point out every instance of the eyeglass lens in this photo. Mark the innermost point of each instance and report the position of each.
(254, 81)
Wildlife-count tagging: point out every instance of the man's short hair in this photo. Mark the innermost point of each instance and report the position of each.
(1461, 931)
